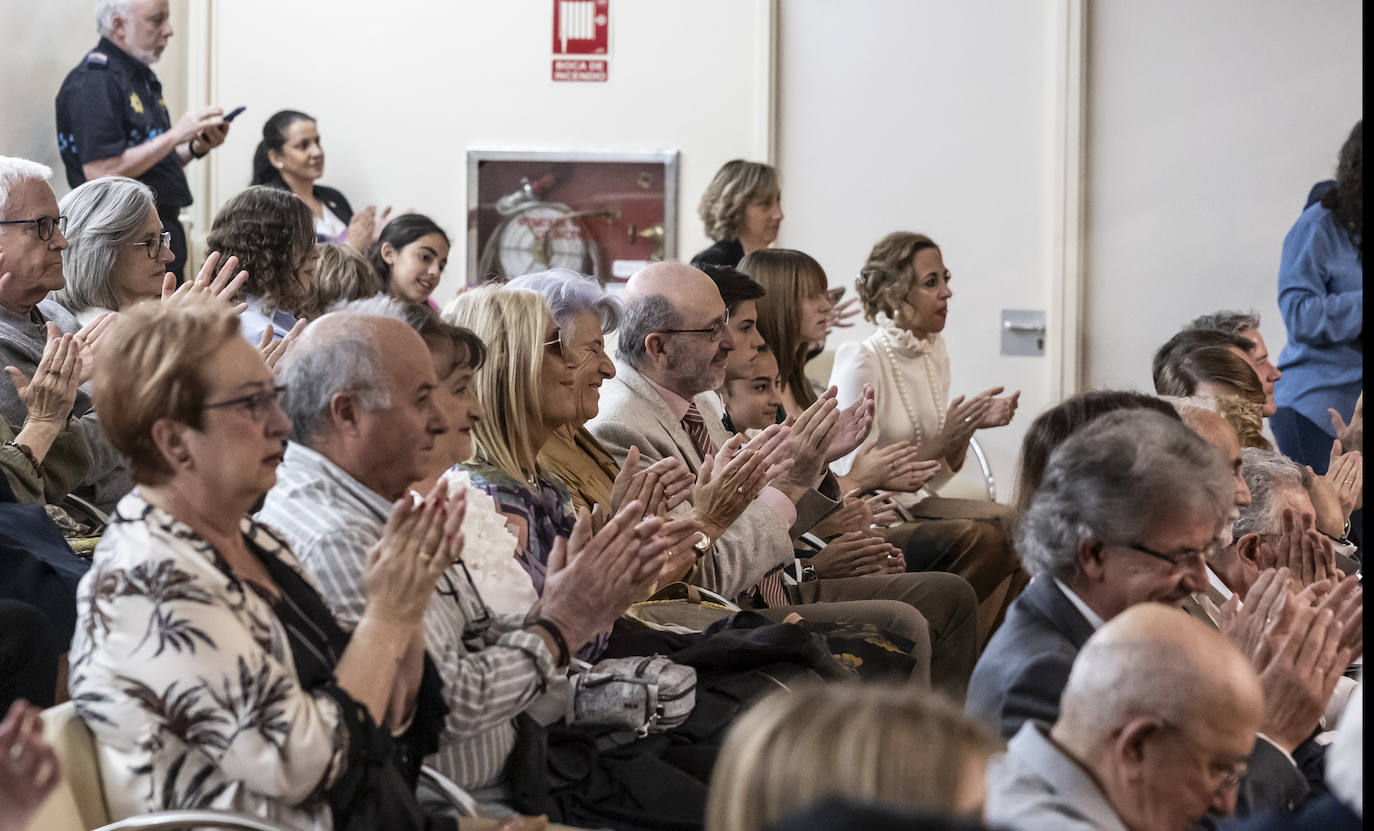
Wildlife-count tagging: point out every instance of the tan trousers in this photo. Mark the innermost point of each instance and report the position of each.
(970, 538)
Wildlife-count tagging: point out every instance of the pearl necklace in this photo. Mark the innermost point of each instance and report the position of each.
(924, 356)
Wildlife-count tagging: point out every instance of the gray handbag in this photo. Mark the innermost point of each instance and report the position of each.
(644, 694)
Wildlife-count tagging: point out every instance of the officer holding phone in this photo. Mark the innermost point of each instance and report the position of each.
(112, 119)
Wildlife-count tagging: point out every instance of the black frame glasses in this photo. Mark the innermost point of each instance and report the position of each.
(156, 244)
(1179, 561)
(716, 332)
(256, 404)
(45, 225)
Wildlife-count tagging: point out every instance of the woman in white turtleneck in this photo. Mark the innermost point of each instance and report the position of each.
(904, 289)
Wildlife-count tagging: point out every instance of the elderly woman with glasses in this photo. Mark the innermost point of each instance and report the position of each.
(117, 252)
(205, 662)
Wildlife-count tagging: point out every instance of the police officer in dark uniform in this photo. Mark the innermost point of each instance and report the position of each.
(112, 119)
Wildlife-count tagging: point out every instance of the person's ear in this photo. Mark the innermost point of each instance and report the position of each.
(1129, 747)
(344, 414)
(1247, 549)
(1088, 555)
(170, 439)
(276, 159)
(388, 253)
(655, 345)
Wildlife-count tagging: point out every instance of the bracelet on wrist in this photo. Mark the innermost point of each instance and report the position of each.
(191, 148)
(564, 655)
(27, 454)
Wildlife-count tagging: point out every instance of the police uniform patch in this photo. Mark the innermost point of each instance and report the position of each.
(136, 102)
(97, 58)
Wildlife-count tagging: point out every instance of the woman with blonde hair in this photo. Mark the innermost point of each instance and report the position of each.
(872, 742)
(741, 209)
(342, 274)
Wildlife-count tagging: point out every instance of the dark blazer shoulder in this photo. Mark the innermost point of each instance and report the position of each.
(336, 202)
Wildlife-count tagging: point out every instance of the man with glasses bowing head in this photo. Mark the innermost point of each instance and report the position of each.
(31, 246)
(112, 119)
(1130, 508)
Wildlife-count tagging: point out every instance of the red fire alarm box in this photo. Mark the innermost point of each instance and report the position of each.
(581, 27)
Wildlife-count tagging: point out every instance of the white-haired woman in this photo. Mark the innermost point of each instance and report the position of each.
(117, 251)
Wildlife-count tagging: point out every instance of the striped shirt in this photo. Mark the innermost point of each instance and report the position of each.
(491, 668)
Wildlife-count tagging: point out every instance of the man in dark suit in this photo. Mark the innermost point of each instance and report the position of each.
(1130, 507)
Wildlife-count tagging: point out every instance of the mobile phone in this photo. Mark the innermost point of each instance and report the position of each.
(234, 113)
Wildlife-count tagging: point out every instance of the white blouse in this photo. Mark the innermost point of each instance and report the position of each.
(187, 680)
(910, 378)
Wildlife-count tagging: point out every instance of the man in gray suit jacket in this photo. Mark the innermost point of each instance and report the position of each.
(1130, 507)
(672, 348)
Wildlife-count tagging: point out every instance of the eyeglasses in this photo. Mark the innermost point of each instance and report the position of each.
(45, 225)
(1224, 776)
(258, 405)
(156, 244)
(716, 330)
(1178, 561)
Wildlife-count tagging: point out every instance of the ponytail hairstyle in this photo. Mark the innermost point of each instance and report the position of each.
(400, 232)
(273, 139)
(1345, 201)
(885, 279)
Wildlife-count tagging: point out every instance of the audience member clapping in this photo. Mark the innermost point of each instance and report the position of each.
(31, 246)
(410, 256)
(365, 424)
(875, 743)
(290, 156)
(192, 604)
(269, 232)
(46, 457)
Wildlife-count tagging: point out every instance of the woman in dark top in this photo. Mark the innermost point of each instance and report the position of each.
(742, 209)
(205, 662)
(290, 156)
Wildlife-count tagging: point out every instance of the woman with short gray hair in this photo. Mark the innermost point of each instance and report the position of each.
(117, 252)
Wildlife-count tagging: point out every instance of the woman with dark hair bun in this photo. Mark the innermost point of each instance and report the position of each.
(291, 157)
(410, 255)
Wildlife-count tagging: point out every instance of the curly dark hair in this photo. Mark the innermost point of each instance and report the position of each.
(271, 232)
(1345, 201)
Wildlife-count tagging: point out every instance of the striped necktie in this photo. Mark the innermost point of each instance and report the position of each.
(770, 587)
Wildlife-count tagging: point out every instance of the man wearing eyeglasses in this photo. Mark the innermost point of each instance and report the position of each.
(1131, 507)
(1158, 717)
(31, 246)
(112, 119)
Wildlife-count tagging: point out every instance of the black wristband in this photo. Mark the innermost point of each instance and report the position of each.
(564, 655)
(191, 148)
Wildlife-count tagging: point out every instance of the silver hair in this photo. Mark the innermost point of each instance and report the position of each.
(1266, 474)
(102, 215)
(317, 369)
(105, 12)
(1115, 480)
(1232, 323)
(570, 294)
(14, 171)
(1114, 681)
(640, 317)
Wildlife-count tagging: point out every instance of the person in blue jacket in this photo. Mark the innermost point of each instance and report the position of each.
(1321, 293)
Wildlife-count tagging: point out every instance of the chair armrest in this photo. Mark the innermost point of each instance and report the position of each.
(447, 788)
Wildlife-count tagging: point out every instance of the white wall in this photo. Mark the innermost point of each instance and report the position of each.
(1208, 123)
(401, 89)
(933, 117)
(43, 41)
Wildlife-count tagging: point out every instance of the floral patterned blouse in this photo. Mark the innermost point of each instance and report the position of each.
(203, 693)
